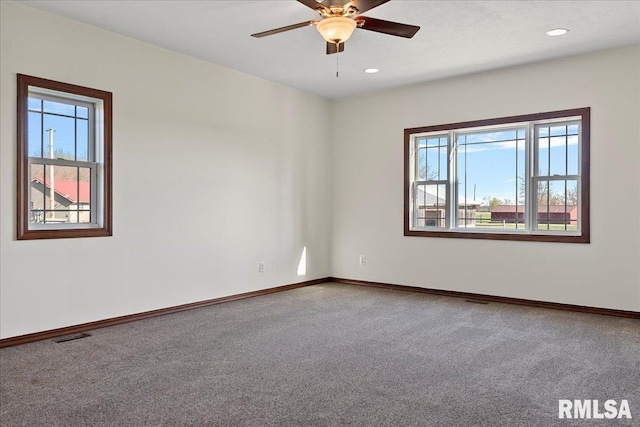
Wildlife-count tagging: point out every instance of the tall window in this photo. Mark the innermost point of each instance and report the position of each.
(513, 178)
(64, 160)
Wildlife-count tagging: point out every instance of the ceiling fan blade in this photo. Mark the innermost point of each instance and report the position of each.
(364, 5)
(313, 4)
(332, 48)
(387, 27)
(283, 29)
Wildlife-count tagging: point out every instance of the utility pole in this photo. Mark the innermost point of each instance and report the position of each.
(51, 176)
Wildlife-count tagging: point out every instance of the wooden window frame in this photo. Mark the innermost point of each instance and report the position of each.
(537, 236)
(105, 221)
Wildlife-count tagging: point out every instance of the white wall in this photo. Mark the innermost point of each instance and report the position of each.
(368, 185)
(265, 177)
(214, 171)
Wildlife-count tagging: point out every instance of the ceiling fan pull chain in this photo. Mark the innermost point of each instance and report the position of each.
(337, 61)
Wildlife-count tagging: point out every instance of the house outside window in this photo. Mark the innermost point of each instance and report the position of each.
(64, 160)
(513, 178)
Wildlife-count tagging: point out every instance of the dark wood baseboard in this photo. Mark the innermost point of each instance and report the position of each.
(493, 298)
(53, 333)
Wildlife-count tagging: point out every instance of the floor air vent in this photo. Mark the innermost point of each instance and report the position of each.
(71, 337)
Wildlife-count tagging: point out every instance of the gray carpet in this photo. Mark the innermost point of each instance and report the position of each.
(329, 355)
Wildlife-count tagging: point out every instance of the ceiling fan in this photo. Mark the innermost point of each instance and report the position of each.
(340, 18)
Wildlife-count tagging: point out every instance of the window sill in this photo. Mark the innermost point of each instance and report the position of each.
(64, 233)
(522, 236)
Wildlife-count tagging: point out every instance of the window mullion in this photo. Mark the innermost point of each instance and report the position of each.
(531, 185)
(580, 172)
(93, 186)
(452, 179)
(414, 204)
(91, 137)
(560, 177)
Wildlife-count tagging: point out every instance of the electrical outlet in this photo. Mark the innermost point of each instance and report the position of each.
(363, 260)
(261, 267)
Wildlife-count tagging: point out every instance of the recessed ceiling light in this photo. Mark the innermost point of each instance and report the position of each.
(557, 32)
(371, 70)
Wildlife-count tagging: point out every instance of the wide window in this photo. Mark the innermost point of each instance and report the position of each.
(64, 160)
(512, 178)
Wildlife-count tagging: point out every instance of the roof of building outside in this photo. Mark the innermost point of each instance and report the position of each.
(541, 209)
(433, 198)
(69, 189)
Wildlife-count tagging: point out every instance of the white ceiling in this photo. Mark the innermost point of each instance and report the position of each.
(457, 37)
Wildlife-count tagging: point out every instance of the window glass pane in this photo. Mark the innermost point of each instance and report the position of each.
(63, 146)
(434, 141)
(573, 160)
(506, 136)
(558, 153)
(521, 156)
(421, 159)
(436, 163)
(557, 193)
(82, 140)
(432, 159)
(36, 194)
(558, 210)
(543, 131)
(558, 130)
(422, 164)
(59, 108)
(541, 203)
(442, 162)
(489, 169)
(84, 196)
(521, 160)
(431, 205)
(443, 156)
(59, 183)
(572, 205)
(66, 190)
(431, 171)
(35, 104)
(82, 112)
(543, 157)
(35, 134)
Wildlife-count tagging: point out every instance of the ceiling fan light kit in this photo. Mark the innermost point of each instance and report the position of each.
(340, 19)
(337, 29)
